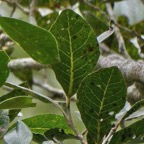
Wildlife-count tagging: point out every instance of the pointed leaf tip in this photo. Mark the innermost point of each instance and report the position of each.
(39, 43)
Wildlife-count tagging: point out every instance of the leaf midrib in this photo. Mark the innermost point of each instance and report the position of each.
(100, 110)
(71, 61)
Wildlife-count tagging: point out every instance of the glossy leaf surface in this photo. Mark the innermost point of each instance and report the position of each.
(4, 70)
(37, 42)
(101, 96)
(77, 48)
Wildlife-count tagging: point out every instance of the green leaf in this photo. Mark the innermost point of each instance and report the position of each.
(101, 95)
(39, 124)
(20, 135)
(77, 48)
(129, 134)
(134, 108)
(4, 122)
(4, 70)
(36, 95)
(37, 42)
(17, 103)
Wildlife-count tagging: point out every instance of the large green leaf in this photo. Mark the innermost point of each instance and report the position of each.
(37, 42)
(100, 96)
(19, 135)
(4, 70)
(130, 134)
(77, 48)
(39, 124)
(17, 103)
(4, 122)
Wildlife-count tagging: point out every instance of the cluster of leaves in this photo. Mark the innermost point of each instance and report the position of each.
(70, 47)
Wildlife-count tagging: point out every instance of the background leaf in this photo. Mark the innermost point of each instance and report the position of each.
(77, 48)
(20, 135)
(39, 124)
(101, 95)
(4, 70)
(4, 122)
(17, 103)
(37, 42)
(130, 134)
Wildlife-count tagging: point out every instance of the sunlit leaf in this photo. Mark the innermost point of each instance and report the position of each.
(37, 42)
(100, 96)
(39, 124)
(17, 103)
(4, 70)
(77, 48)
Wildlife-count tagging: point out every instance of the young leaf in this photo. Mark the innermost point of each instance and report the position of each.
(17, 103)
(77, 48)
(4, 70)
(101, 95)
(37, 42)
(4, 122)
(19, 135)
(130, 133)
(39, 124)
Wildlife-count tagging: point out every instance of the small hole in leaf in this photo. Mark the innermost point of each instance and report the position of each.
(111, 113)
(134, 136)
(101, 120)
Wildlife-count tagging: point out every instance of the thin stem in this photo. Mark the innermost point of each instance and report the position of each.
(122, 48)
(32, 18)
(71, 124)
(24, 10)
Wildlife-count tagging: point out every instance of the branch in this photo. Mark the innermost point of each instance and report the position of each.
(25, 64)
(122, 48)
(46, 86)
(32, 18)
(26, 11)
(133, 71)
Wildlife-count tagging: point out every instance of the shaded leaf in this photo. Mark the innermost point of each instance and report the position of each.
(137, 106)
(100, 96)
(19, 135)
(129, 134)
(4, 70)
(77, 48)
(36, 95)
(59, 134)
(37, 42)
(13, 114)
(39, 124)
(17, 103)
(4, 121)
